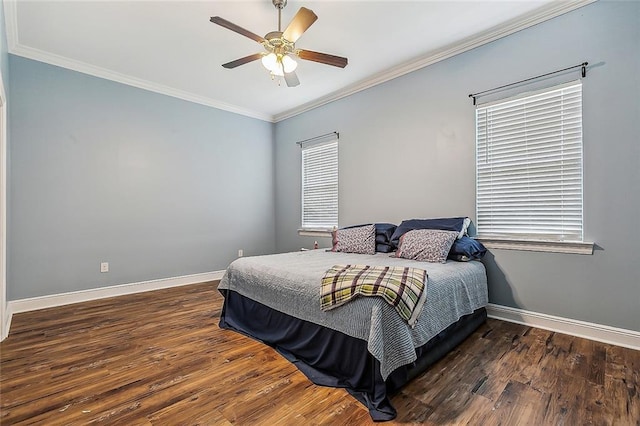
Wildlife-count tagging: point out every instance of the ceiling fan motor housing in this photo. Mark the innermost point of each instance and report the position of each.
(277, 44)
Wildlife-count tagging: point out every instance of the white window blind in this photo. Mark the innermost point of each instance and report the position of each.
(320, 185)
(529, 166)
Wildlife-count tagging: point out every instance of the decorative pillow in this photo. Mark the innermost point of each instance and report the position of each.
(465, 249)
(384, 231)
(458, 224)
(428, 245)
(361, 240)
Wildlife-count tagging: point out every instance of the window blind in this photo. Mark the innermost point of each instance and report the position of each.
(529, 166)
(320, 185)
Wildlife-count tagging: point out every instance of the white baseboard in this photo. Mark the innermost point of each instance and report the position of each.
(601, 333)
(6, 323)
(34, 303)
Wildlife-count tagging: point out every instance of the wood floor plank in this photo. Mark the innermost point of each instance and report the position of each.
(575, 401)
(199, 408)
(518, 404)
(411, 410)
(622, 384)
(520, 350)
(159, 358)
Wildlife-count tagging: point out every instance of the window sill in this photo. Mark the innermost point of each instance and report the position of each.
(572, 247)
(314, 232)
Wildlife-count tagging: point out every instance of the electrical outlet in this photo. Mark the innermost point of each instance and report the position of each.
(240, 253)
(104, 267)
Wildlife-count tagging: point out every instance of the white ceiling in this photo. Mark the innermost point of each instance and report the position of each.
(171, 47)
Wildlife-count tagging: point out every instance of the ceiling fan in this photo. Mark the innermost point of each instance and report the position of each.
(280, 45)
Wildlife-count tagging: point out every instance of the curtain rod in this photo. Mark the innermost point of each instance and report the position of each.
(318, 137)
(582, 65)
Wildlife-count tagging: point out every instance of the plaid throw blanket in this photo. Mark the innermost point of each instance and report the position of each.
(402, 287)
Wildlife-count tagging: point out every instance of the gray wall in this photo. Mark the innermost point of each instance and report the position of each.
(407, 150)
(156, 186)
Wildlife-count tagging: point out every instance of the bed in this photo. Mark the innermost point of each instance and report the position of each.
(364, 345)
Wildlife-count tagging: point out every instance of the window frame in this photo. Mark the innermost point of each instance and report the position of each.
(331, 148)
(527, 239)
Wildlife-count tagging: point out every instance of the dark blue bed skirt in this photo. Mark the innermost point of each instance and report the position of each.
(331, 358)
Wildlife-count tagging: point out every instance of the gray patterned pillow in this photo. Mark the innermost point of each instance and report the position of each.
(428, 245)
(355, 240)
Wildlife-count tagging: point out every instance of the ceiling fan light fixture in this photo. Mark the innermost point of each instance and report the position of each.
(289, 64)
(278, 64)
(270, 62)
(280, 46)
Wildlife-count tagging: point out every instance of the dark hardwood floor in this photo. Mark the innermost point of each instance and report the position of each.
(159, 358)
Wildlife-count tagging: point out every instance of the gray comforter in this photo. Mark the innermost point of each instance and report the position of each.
(290, 283)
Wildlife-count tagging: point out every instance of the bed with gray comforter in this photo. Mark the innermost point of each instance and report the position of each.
(290, 283)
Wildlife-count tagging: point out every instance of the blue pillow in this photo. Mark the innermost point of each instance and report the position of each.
(443, 224)
(465, 249)
(384, 248)
(384, 231)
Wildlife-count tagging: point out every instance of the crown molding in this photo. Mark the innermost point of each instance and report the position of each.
(61, 61)
(15, 48)
(542, 14)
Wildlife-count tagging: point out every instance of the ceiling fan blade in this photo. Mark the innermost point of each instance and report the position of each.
(323, 58)
(233, 27)
(299, 24)
(242, 61)
(291, 78)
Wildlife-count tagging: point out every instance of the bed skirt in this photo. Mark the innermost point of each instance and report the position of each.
(331, 358)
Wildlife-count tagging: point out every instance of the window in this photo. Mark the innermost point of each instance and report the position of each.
(529, 166)
(320, 185)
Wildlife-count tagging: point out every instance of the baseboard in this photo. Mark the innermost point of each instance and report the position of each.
(601, 333)
(6, 323)
(34, 303)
